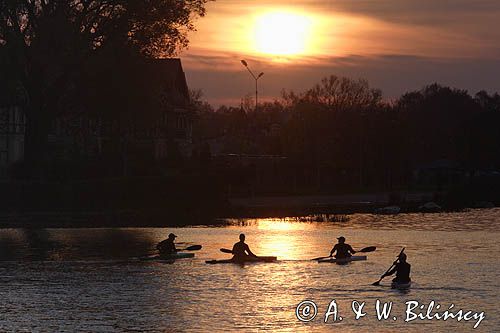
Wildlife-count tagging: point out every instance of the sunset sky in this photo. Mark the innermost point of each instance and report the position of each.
(398, 45)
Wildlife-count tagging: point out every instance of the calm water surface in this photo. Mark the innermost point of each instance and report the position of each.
(89, 279)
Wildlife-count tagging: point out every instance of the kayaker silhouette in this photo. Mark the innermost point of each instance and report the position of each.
(167, 246)
(343, 250)
(402, 270)
(241, 251)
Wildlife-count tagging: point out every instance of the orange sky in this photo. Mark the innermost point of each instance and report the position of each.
(396, 44)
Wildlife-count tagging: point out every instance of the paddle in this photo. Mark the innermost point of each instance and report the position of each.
(189, 248)
(383, 276)
(231, 252)
(364, 250)
(192, 248)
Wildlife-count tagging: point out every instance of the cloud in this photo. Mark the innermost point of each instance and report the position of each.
(471, 18)
(398, 45)
(423, 12)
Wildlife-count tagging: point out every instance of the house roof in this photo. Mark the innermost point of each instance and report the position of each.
(155, 76)
(118, 79)
(170, 73)
(131, 87)
(160, 76)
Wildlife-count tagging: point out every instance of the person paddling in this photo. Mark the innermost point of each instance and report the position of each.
(343, 250)
(402, 270)
(167, 246)
(241, 251)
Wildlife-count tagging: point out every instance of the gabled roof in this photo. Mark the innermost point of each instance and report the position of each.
(170, 73)
(159, 76)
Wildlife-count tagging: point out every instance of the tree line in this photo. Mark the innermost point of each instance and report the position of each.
(343, 128)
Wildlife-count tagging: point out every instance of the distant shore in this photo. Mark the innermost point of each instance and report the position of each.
(325, 204)
(254, 207)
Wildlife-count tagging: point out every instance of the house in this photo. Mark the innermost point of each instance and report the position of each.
(135, 109)
(158, 116)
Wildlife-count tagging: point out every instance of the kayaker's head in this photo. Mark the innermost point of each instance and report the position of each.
(242, 237)
(402, 257)
(341, 239)
(171, 236)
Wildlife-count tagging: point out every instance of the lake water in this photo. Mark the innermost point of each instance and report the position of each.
(88, 279)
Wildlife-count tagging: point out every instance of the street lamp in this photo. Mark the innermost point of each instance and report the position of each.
(256, 78)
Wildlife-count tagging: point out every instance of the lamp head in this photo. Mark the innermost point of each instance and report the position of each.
(244, 63)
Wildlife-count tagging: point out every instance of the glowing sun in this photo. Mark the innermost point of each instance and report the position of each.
(281, 33)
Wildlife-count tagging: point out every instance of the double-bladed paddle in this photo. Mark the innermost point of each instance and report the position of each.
(394, 263)
(231, 252)
(192, 248)
(364, 250)
(189, 248)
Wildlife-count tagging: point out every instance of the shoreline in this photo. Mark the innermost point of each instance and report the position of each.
(280, 206)
(256, 207)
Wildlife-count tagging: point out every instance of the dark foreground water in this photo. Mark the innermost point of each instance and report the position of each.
(89, 280)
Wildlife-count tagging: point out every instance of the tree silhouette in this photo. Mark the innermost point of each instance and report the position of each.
(340, 135)
(435, 118)
(343, 93)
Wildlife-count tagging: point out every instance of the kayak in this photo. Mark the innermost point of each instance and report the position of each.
(247, 260)
(400, 286)
(343, 260)
(173, 256)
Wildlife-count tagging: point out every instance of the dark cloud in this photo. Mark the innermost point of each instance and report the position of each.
(406, 11)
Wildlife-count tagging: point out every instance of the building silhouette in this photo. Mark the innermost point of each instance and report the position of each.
(153, 125)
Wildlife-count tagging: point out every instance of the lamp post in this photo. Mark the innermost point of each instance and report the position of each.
(256, 78)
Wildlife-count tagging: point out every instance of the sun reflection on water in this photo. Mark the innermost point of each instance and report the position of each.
(279, 225)
(282, 237)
